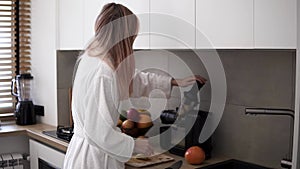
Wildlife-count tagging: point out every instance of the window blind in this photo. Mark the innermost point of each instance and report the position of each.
(24, 36)
(14, 48)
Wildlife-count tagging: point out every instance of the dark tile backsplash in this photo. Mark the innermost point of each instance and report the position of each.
(65, 65)
(255, 78)
(259, 78)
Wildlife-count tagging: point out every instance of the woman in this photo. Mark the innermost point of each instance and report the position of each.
(103, 78)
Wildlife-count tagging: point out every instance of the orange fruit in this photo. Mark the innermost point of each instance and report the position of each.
(194, 155)
(145, 121)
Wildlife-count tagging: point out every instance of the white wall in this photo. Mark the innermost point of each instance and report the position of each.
(296, 148)
(43, 45)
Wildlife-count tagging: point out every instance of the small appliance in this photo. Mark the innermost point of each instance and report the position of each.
(182, 127)
(24, 113)
(63, 133)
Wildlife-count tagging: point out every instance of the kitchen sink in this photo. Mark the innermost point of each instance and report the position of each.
(233, 164)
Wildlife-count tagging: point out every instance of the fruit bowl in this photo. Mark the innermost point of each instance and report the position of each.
(135, 125)
(131, 132)
(143, 131)
(136, 132)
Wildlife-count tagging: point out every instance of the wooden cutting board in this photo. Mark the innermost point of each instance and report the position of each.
(156, 159)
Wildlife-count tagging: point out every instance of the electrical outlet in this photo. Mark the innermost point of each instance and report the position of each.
(39, 110)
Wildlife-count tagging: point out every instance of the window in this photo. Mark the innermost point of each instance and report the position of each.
(14, 48)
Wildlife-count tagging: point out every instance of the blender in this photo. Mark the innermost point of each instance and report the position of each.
(24, 113)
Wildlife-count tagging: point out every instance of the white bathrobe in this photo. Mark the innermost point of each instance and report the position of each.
(97, 142)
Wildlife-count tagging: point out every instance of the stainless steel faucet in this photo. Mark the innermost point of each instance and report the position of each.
(285, 163)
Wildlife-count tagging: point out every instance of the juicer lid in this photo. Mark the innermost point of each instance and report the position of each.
(24, 76)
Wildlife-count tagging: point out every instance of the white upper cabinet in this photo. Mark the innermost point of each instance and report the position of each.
(92, 8)
(172, 24)
(275, 23)
(188, 24)
(224, 24)
(70, 19)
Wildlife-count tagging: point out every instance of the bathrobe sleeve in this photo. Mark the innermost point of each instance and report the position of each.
(101, 118)
(145, 82)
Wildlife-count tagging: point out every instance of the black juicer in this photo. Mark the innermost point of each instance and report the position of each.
(187, 123)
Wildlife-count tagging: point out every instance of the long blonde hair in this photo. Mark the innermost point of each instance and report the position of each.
(116, 28)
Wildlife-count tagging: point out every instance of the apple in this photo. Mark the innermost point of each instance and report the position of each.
(128, 127)
(127, 124)
(133, 115)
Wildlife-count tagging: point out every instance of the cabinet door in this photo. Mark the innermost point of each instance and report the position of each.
(47, 154)
(92, 9)
(172, 24)
(224, 24)
(70, 24)
(275, 23)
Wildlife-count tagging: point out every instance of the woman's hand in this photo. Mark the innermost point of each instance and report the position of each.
(142, 146)
(188, 81)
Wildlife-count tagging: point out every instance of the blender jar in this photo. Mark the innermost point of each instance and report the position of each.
(23, 84)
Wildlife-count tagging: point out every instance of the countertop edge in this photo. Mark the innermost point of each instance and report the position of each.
(53, 142)
(34, 132)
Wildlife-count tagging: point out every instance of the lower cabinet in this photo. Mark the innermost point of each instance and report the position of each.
(44, 157)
